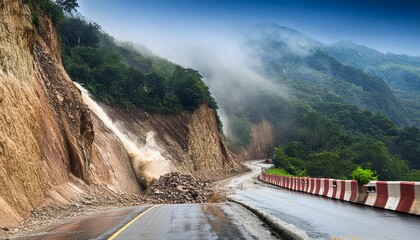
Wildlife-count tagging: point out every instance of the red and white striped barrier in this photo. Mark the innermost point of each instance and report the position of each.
(351, 192)
(397, 196)
(340, 189)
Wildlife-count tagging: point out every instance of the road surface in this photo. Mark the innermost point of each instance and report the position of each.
(309, 216)
(168, 221)
(321, 217)
(192, 221)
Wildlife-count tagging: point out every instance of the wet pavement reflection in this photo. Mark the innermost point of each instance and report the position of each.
(321, 217)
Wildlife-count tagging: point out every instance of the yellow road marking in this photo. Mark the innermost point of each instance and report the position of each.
(128, 224)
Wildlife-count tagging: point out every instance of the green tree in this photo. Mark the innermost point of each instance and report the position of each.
(408, 147)
(374, 154)
(363, 176)
(68, 5)
(187, 84)
(76, 32)
(292, 165)
(295, 149)
(413, 175)
(47, 7)
(328, 164)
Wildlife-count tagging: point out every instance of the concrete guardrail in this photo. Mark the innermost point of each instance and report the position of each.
(392, 195)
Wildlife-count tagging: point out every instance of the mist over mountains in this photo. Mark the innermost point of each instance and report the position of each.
(400, 72)
(278, 92)
(314, 95)
(281, 59)
(316, 109)
(288, 56)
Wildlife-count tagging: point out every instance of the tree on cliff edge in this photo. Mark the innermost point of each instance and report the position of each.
(68, 5)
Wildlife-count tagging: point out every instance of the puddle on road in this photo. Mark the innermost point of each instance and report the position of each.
(221, 224)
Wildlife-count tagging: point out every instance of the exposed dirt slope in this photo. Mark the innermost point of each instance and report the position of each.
(190, 140)
(50, 150)
(263, 140)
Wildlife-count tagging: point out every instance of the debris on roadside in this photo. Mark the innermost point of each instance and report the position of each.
(175, 187)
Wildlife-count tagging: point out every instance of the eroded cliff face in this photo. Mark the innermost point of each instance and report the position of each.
(190, 140)
(263, 140)
(22, 179)
(50, 150)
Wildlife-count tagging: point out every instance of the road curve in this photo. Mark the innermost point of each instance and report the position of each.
(311, 216)
(320, 217)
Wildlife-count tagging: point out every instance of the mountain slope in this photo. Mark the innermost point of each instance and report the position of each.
(400, 72)
(321, 113)
(289, 57)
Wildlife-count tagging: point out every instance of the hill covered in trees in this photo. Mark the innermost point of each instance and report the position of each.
(330, 117)
(120, 75)
(400, 72)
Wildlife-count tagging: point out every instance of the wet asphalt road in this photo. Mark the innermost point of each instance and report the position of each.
(88, 227)
(190, 221)
(324, 218)
(169, 221)
(313, 217)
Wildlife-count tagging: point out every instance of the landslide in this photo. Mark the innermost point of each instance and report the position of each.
(190, 140)
(52, 150)
(175, 187)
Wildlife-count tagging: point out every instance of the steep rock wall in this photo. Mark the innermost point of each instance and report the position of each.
(51, 148)
(20, 123)
(190, 140)
(263, 140)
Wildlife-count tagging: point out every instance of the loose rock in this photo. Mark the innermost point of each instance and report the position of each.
(175, 187)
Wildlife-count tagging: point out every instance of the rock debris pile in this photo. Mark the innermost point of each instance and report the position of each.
(175, 187)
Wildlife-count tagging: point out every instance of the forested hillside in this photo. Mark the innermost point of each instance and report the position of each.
(300, 62)
(122, 76)
(400, 72)
(333, 118)
(330, 117)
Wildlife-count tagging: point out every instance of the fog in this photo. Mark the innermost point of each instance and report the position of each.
(228, 67)
(207, 36)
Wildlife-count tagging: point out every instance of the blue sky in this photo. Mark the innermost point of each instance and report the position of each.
(388, 26)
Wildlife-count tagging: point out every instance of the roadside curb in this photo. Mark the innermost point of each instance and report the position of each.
(284, 230)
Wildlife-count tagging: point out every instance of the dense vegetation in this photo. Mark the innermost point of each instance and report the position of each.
(330, 139)
(52, 9)
(119, 74)
(277, 171)
(363, 176)
(335, 118)
(124, 77)
(400, 72)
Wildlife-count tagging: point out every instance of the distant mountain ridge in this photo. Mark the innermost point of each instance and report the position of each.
(400, 72)
(326, 116)
(307, 66)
